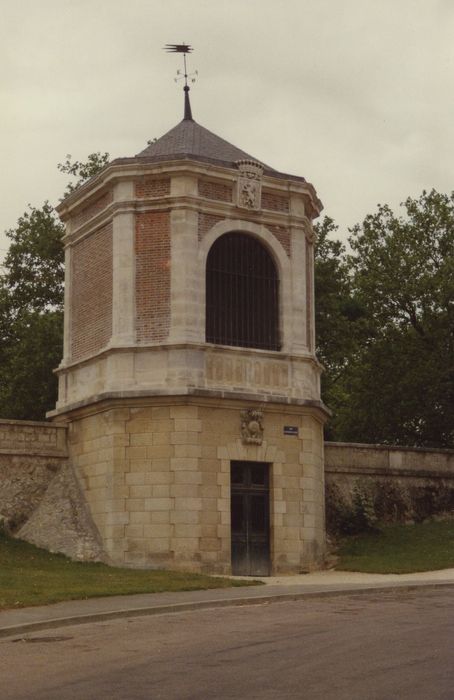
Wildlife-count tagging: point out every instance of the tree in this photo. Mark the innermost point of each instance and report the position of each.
(83, 170)
(398, 386)
(340, 319)
(31, 301)
(28, 387)
(34, 261)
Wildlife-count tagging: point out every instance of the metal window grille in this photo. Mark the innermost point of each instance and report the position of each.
(242, 287)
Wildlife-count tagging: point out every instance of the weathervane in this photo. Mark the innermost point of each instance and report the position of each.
(184, 49)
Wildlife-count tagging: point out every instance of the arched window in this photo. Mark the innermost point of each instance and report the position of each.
(242, 306)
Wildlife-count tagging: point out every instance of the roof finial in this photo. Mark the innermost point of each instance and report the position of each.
(184, 49)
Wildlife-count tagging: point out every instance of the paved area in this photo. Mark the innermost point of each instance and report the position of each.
(365, 645)
(317, 584)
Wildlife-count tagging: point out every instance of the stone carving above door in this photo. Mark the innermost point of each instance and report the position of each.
(252, 426)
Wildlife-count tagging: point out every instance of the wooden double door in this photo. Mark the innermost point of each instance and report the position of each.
(250, 518)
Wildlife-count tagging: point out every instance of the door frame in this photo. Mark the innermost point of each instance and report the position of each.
(247, 489)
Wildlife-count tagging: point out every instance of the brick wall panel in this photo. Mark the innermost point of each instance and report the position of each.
(152, 276)
(274, 202)
(92, 209)
(282, 234)
(215, 190)
(148, 188)
(91, 317)
(206, 222)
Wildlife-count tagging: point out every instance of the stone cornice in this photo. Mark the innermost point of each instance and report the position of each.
(227, 210)
(107, 400)
(119, 169)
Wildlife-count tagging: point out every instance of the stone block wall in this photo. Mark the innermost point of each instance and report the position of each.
(157, 480)
(403, 484)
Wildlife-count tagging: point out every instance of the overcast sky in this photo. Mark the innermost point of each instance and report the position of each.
(355, 95)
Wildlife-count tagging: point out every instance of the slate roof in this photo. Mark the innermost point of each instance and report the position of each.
(191, 140)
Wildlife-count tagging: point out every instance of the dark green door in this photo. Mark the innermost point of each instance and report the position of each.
(250, 518)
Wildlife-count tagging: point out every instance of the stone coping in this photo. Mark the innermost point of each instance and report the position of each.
(33, 423)
(24, 452)
(393, 448)
(411, 472)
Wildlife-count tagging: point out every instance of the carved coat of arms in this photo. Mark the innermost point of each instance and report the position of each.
(252, 426)
(249, 184)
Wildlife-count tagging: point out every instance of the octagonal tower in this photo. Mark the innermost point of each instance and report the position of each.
(189, 375)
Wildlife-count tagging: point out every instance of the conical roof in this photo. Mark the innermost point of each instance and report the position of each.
(191, 140)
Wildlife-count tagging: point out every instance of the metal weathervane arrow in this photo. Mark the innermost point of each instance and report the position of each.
(184, 49)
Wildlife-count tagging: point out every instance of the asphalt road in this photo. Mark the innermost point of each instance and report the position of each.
(375, 646)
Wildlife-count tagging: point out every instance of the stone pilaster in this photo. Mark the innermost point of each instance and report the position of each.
(123, 282)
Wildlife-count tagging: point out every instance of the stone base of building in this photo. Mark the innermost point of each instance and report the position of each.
(156, 475)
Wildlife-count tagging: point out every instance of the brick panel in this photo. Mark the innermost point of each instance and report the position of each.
(152, 275)
(149, 188)
(215, 190)
(91, 318)
(283, 236)
(92, 209)
(206, 222)
(274, 202)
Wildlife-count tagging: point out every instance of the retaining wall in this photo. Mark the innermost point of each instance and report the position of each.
(40, 498)
(401, 484)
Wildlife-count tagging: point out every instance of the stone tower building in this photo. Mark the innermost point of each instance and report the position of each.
(189, 377)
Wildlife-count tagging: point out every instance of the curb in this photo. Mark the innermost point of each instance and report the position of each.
(175, 608)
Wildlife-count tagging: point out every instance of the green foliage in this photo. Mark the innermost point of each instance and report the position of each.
(34, 262)
(404, 266)
(31, 301)
(396, 379)
(371, 504)
(359, 516)
(340, 319)
(336, 310)
(364, 517)
(28, 387)
(398, 394)
(33, 576)
(400, 549)
(83, 170)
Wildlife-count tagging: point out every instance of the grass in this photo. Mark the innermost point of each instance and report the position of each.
(33, 576)
(400, 549)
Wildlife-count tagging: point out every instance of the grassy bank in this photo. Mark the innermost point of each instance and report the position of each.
(400, 549)
(32, 576)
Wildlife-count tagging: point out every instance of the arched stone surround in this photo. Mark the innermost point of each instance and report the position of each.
(279, 256)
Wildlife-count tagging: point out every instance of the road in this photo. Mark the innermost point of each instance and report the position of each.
(375, 646)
